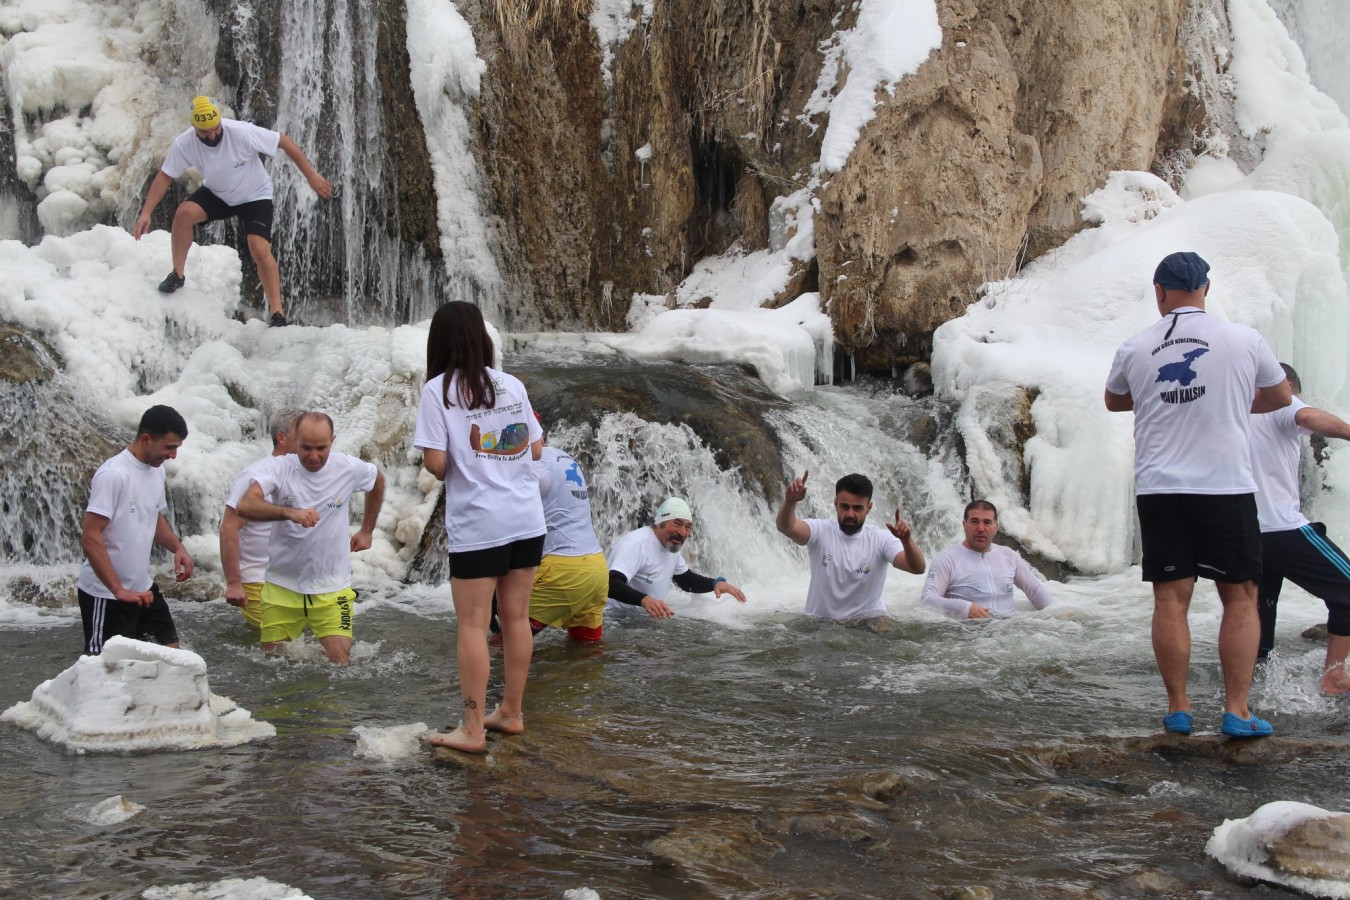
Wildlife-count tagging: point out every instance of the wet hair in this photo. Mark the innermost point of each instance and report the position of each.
(858, 485)
(283, 420)
(459, 343)
(1293, 377)
(979, 504)
(161, 420)
(314, 417)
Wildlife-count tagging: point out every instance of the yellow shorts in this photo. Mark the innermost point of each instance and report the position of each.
(570, 591)
(286, 613)
(252, 608)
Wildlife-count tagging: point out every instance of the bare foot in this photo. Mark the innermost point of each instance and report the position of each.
(504, 724)
(459, 740)
(1335, 682)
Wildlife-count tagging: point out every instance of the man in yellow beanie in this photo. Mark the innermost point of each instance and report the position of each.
(234, 183)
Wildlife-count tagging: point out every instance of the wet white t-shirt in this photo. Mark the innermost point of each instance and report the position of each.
(848, 571)
(232, 170)
(1193, 393)
(314, 560)
(130, 495)
(567, 506)
(649, 567)
(492, 488)
(1276, 453)
(959, 576)
(254, 537)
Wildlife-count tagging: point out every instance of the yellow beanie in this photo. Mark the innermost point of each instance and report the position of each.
(205, 113)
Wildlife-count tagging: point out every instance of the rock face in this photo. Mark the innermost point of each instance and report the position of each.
(972, 167)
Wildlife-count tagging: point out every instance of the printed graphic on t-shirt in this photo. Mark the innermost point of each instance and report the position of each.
(509, 441)
(1181, 373)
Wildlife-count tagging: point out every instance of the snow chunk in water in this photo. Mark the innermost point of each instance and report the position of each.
(229, 889)
(1243, 847)
(135, 696)
(109, 812)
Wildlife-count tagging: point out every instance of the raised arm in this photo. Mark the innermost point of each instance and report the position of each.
(1319, 421)
(787, 520)
(911, 558)
(317, 182)
(252, 506)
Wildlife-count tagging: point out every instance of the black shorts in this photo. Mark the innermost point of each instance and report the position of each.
(1310, 560)
(255, 217)
(1215, 536)
(103, 618)
(494, 562)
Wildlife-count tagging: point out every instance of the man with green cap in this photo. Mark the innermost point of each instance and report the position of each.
(645, 561)
(235, 183)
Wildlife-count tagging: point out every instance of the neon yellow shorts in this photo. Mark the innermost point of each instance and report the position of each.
(285, 613)
(252, 608)
(570, 591)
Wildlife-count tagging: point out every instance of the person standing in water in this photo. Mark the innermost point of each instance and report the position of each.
(1291, 546)
(478, 433)
(1192, 381)
(235, 183)
(122, 523)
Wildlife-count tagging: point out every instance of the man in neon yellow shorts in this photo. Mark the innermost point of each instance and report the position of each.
(243, 544)
(308, 580)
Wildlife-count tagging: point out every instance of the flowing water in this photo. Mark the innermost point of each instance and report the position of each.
(734, 751)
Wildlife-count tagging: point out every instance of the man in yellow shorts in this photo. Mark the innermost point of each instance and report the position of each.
(243, 544)
(309, 576)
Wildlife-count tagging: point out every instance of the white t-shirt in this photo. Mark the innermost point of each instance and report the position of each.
(567, 506)
(959, 576)
(130, 495)
(314, 560)
(1276, 453)
(491, 488)
(232, 170)
(1193, 395)
(254, 537)
(649, 567)
(848, 571)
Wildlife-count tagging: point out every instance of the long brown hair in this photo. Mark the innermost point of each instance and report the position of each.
(458, 342)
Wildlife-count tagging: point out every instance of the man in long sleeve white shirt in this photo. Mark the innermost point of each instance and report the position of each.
(975, 578)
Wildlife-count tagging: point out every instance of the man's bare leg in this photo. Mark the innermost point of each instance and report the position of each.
(1172, 638)
(274, 648)
(513, 607)
(1239, 638)
(1335, 680)
(269, 272)
(338, 648)
(186, 217)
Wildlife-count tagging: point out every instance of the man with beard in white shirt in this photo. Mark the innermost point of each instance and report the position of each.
(975, 578)
(122, 522)
(849, 558)
(1291, 546)
(235, 183)
(243, 544)
(309, 573)
(646, 561)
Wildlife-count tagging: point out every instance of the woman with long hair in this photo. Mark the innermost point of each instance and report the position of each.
(478, 433)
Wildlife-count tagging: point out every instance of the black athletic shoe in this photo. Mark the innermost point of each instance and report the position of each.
(172, 282)
(277, 321)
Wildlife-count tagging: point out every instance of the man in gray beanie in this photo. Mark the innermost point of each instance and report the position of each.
(1192, 380)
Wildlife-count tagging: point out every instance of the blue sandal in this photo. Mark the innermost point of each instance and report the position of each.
(1246, 728)
(1179, 722)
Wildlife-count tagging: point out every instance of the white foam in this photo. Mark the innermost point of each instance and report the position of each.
(227, 889)
(388, 744)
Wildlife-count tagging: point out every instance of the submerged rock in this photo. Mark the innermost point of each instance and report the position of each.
(135, 696)
(1292, 844)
